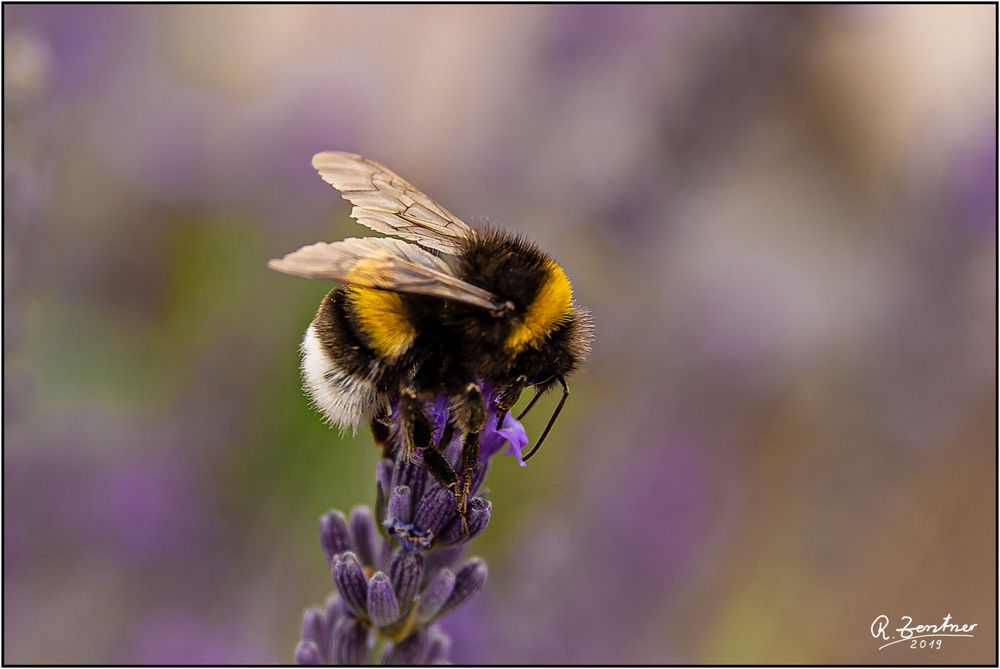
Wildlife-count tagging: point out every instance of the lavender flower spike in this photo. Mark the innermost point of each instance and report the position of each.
(396, 584)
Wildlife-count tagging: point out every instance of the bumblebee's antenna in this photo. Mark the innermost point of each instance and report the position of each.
(526, 409)
(552, 419)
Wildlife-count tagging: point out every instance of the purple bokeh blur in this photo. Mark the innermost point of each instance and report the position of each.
(782, 217)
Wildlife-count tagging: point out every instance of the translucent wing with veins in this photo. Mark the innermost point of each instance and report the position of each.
(388, 203)
(388, 264)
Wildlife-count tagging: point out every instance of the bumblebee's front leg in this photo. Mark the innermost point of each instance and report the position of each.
(415, 430)
(380, 431)
(507, 396)
(470, 416)
(416, 433)
(438, 465)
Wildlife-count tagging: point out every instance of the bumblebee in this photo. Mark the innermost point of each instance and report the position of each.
(442, 309)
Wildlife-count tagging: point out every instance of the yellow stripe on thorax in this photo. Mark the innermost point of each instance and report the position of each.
(549, 309)
(382, 318)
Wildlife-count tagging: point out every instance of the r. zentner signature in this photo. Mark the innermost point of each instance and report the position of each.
(907, 631)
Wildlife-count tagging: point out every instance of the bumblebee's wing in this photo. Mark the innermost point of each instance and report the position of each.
(389, 264)
(386, 202)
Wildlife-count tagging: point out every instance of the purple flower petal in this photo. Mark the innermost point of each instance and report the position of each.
(510, 433)
(517, 439)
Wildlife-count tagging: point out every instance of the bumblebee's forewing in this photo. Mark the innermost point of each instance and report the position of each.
(386, 202)
(389, 264)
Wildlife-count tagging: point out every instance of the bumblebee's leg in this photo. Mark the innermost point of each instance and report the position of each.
(380, 431)
(415, 430)
(471, 416)
(470, 457)
(507, 397)
(438, 465)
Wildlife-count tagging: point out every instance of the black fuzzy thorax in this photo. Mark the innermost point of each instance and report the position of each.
(506, 264)
(458, 344)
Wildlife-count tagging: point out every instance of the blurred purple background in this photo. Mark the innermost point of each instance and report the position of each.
(782, 217)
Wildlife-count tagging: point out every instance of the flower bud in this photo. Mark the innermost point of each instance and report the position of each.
(350, 641)
(306, 654)
(383, 609)
(333, 534)
(468, 581)
(349, 578)
(364, 533)
(435, 596)
(405, 571)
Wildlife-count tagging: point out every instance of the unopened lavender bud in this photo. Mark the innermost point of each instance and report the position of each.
(383, 608)
(383, 475)
(436, 507)
(401, 504)
(479, 515)
(334, 609)
(316, 628)
(363, 531)
(350, 641)
(435, 596)
(410, 474)
(440, 558)
(409, 651)
(349, 578)
(438, 646)
(307, 654)
(478, 477)
(468, 581)
(333, 534)
(405, 571)
(385, 549)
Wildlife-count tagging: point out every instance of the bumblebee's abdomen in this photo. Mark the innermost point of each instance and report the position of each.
(381, 320)
(342, 374)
